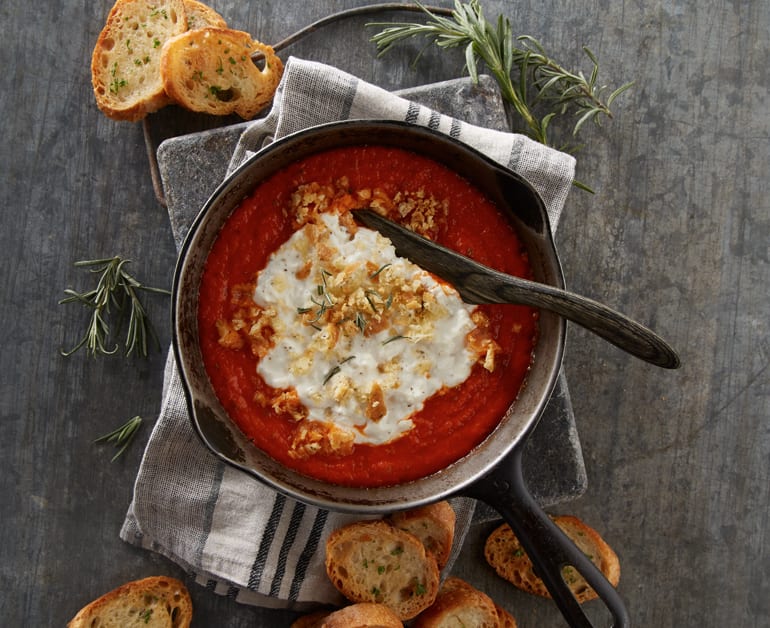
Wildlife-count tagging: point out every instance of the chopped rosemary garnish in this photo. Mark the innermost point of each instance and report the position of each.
(336, 369)
(331, 374)
(541, 80)
(115, 288)
(360, 322)
(122, 436)
(393, 338)
(368, 294)
(323, 301)
(379, 270)
(324, 288)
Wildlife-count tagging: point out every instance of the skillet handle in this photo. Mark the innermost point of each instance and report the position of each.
(549, 549)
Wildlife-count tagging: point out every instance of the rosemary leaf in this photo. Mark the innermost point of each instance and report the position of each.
(115, 297)
(540, 78)
(331, 374)
(122, 436)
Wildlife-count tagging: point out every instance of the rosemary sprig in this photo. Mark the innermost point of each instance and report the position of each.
(122, 436)
(115, 292)
(540, 78)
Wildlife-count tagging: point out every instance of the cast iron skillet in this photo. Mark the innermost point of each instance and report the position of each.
(492, 471)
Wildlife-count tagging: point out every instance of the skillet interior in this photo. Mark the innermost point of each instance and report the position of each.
(223, 437)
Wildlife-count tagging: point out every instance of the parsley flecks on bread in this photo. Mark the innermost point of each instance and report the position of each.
(154, 602)
(373, 561)
(210, 70)
(125, 65)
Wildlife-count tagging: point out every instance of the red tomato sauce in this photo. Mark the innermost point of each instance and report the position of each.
(450, 423)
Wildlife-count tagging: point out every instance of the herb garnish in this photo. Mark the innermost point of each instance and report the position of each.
(360, 322)
(379, 270)
(336, 369)
(122, 436)
(116, 82)
(324, 301)
(116, 289)
(541, 80)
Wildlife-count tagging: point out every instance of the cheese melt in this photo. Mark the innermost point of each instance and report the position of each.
(363, 349)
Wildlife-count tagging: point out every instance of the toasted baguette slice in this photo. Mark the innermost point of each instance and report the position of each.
(434, 525)
(311, 620)
(373, 561)
(459, 604)
(210, 70)
(125, 65)
(155, 602)
(200, 15)
(363, 615)
(505, 554)
(504, 618)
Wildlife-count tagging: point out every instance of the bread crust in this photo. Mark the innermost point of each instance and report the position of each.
(200, 15)
(504, 618)
(362, 615)
(458, 603)
(506, 556)
(433, 524)
(153, 602)
(210, 70)
(311, 620)
(373, 561)
(125, 64)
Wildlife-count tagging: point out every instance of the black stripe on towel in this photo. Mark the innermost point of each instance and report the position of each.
(350, 95)
(267, 540)
(208, 513)
(454, 130)
(412, 113)
(291, 535)
(307, 553)
(515, 156)
(435, 120)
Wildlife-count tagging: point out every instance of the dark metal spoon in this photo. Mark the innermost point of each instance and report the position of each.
(477, 283)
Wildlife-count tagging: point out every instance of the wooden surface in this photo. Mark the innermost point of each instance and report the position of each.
(677, 235)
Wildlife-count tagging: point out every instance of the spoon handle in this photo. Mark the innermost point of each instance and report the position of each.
(623, 332)
(477, 283)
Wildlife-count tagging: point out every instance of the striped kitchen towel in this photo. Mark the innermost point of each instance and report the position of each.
(232, 534)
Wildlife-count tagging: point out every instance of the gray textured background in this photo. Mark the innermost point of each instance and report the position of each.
(677, 235)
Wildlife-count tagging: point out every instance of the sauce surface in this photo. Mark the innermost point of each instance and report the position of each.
(425, 196)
